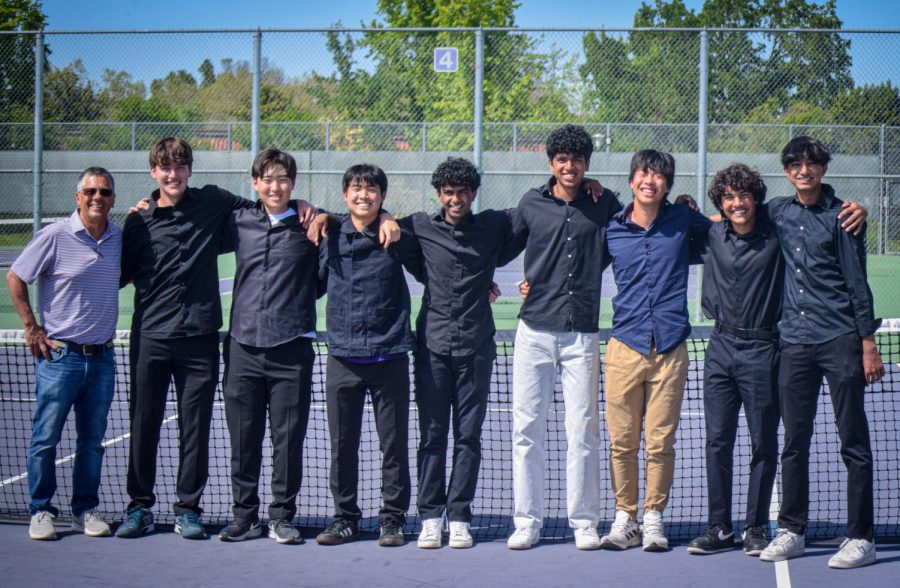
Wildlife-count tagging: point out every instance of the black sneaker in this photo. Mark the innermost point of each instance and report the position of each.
(241, 529)
(716, 538)
(755, 541)
(339, 531)
(391, 534)
(284, 532)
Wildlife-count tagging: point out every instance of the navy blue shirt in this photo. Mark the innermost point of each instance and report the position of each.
(458, 266)
(826, 292)
(651, 272)
(564, 249)
(368, 307)
(743, 278)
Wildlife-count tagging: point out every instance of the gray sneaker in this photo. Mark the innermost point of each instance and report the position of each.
(284, 532)
(91, 524)
(189, 526)
(41, 527)
(624, 533)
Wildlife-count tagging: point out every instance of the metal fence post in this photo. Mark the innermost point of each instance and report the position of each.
(702, 115)
(424, 137)
(229, 136)
(38, 165)
(134, 136)
(881, 246)
(515, 137)
(608, 139)
(254, 112)
(477, 154)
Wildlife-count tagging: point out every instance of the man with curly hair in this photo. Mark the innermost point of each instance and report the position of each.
(456, 353)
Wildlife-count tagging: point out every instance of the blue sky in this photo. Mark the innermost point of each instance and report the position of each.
(151, 14)
(148, 57)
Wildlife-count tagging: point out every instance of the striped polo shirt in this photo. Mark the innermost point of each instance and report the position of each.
(78, 280)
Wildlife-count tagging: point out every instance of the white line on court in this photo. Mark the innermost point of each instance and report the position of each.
(782, 572)
(70, 457)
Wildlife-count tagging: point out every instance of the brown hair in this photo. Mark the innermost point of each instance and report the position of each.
(171, 150)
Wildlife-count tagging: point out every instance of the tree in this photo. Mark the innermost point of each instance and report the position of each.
(207, 73)
(17, 57)
(651, 76)
(402, 86)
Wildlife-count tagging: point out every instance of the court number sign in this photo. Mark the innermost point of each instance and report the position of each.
(446, 59)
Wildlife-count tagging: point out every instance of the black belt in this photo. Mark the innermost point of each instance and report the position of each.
(86, 349)
(763, 334)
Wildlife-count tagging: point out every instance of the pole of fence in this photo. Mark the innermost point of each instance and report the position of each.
(881, 247)
(702, 116)
(424, 137)
(38, 165)
(254, 112)
(477, 154)
(608, 139)
(515, 137)
(134, 136)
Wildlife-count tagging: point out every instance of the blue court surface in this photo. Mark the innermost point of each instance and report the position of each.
(165, 559)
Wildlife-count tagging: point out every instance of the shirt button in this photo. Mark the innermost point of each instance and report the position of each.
(568, 238)
(798, 270)
(570, 292)
(570, 255)
(802, 312)
(801, 227)
(570, 275)
(798, 249)
(568, 220)
(801, 290)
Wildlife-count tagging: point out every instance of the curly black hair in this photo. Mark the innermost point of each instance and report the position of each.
(739, 178)
(456, 171)
(570, 139)
(804, 149)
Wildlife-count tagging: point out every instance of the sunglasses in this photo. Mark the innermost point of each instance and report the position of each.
(91, 191)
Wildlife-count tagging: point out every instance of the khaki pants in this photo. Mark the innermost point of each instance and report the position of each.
(643, 388)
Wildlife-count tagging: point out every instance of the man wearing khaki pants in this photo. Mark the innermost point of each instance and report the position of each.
(646, 357)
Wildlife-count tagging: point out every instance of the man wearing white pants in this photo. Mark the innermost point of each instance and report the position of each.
(564, 231)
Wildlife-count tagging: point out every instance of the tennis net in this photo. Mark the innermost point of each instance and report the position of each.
(685, 515)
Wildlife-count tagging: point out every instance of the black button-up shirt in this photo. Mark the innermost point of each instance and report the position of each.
(743, 279)
(275, 282)
(651, 268)
(459, 262)
(170, 255)
(826, 292)
(564, 257)
(368, 306)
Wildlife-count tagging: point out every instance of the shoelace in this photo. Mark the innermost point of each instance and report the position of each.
(854, 545)
(457, 532)
(43, 517)
(782, 539)
(190, 518)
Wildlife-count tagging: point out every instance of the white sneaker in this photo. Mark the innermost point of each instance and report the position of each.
(853, 553)
(586, 538)
(654, 534)
(524, 538)
(41, 527)
(785, 545)
(624, 533)
(430, 536)
(460, 538)
(91, 524)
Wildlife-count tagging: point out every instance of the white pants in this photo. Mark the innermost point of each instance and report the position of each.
(539, 357)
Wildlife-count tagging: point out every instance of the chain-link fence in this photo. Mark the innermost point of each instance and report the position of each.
(406, 99)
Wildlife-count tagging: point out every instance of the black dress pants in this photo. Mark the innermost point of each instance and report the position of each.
(461, 384)
(193, 364)
(346, 385)
(800, 380)
(740, 372)
(278, 380)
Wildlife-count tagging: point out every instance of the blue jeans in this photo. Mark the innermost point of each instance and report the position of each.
(86, 382)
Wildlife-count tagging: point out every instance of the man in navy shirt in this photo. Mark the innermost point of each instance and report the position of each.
(646, 357)
(827, 329)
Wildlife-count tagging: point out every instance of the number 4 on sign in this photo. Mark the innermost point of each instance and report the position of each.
(446, 59)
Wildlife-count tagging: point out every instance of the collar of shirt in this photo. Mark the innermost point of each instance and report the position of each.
(154, 200)
(547, 191)
(624, 216)
(762, 228)
(825, 202)
(370, 230)
(439, 218)
(77, 226)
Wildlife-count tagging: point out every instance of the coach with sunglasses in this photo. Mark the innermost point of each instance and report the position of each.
(77, 263)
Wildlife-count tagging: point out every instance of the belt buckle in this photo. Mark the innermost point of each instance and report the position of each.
(88, 350)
